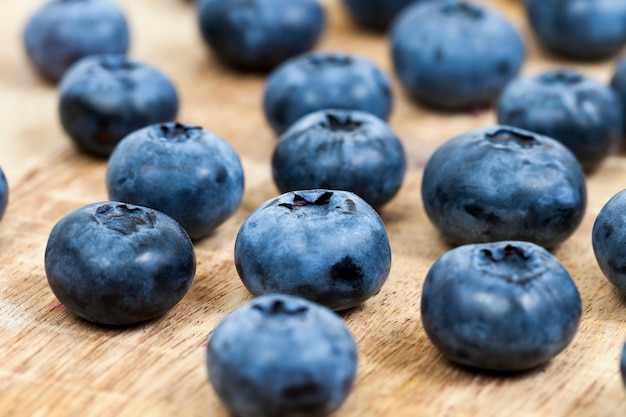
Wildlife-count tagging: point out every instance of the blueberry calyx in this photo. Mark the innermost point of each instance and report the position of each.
(463, 9)
(561, 77)
(318, 61)
(124, 219)
(511, 262)
(334, 123)
(512, 138)
(299, 201)
(280, 308)
(116, 63)
(177, 132)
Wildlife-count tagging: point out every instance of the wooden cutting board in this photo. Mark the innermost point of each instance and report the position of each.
(54, 364)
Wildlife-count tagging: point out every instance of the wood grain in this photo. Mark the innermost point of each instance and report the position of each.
(54, 364)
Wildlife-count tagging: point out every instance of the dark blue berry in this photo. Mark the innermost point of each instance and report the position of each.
(118, 264)
(578, 111)
(454, 54)
(330, 247)
(503, 306)
(61, 32)
(260, 34)
(580, 29)
(504, 183)
(323, 80)
(182, 170)
(341, 150)
(607, 238)
(105, 97)
(281, 355)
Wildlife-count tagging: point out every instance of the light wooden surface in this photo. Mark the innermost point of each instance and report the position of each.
(53, 364)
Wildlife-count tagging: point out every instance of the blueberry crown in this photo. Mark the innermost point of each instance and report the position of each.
(512, 138)
(124, 219)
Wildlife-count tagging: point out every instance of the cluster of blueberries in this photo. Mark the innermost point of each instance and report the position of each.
(499, 301)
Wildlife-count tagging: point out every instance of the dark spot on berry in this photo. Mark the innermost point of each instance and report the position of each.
(346, 270)
(618, 269)
(221, 176)
(607, 229)
(438, 56)
(301, 390)
(478, 212)
(503, 68)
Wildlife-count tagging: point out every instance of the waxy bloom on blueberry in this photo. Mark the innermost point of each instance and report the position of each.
(330, 247)
(504, 183)
(118, 264)
(182, 170)
(281, 355)
(503, 306)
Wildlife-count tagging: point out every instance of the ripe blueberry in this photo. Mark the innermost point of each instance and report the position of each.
(330, 247)
(184, 171)
(503, 306)
(504, 183)
(118, 264)
(607, 238)
(454, 54)
(61, 32)
(323, 80)
(281, 355)
(341, 150)
(260, 34)
(582, 29)
(105, 97)
(578, 111)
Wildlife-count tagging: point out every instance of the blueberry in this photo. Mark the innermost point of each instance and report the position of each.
(105, 97)
(4, 193)
(578, 111)
(118, 264)
(341, 150)
(503, 306)
(454, 54)
(61, 32)
(260, 34)
(607, 238)
(504, 183)
(330, 247)
(281, 355)
(375, 14)
(580, 29)
(182, 170)
(322, 80)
